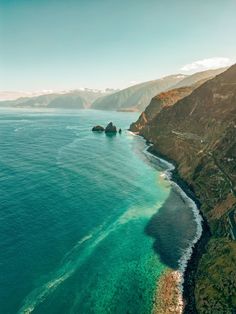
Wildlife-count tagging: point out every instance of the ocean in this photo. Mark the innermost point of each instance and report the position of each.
(88, 221)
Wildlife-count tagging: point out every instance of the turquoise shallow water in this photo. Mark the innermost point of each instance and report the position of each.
(75, 209)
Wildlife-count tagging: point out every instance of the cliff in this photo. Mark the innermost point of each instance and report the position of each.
(137, 97)
(198, 133)
(158, 102)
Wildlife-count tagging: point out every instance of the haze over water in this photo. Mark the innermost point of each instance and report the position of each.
(79, 212)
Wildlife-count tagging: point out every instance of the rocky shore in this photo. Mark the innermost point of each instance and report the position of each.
(168, 298)
(191, 270)
(189, 305)
(198, 133)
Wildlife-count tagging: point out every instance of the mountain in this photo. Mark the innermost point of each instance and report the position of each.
(198, 133)
(198, 77)
(134, 98)
(77, 99)
(165, 99)
(137, 97)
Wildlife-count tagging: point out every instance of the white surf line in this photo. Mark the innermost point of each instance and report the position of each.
(183, 261)
(196, 213)
(187, 253)
(76, 256)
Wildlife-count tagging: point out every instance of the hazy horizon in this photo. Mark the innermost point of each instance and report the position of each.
(226, 63)
(66, 45)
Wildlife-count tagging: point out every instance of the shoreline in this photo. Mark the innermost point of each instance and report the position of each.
(198, 246)
(195, 251)
(168, 297)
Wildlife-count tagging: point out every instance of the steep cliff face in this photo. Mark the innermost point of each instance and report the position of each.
(137, 97)
(158, 102)
(198, 132)
(170, 97)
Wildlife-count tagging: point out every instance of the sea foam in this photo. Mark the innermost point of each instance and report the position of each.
(183, 261)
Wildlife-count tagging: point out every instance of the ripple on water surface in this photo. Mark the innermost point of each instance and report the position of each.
(79, 214)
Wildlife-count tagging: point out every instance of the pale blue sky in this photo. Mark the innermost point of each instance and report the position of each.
(55, 44)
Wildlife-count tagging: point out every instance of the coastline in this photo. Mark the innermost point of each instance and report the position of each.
(168, 297)
(198, 246)
(191, 258)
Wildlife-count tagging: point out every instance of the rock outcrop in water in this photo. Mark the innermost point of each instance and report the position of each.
(110, 128)
(198, 133)
(98, 128)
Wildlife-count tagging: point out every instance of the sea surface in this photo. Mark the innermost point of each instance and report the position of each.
(87, 221)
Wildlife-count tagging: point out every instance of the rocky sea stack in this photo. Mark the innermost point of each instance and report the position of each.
(110, 128)
(98, 128)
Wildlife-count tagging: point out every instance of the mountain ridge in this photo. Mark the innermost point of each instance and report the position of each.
(137, 96)
(198, 133)
(133, 98)
(74, 99)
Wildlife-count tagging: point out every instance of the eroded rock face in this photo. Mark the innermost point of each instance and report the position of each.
(98, 128)
(198, 132)
(158, 102)
(110, 128)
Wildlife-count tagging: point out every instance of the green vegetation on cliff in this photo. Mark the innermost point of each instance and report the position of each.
(216, 278)
(198, 132)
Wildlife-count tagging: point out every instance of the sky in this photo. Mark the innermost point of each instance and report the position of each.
(68, 44)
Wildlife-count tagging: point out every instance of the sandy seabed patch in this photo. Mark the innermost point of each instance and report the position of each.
(168, 297)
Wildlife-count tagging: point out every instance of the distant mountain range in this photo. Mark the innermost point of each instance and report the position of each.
(133, 98)
(76, 99)
(137, 97)
(168, 98)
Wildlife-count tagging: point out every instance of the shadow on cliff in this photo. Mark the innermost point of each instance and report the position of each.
(173, 228)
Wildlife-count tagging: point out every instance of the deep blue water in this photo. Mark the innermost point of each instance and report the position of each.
(75, 209)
